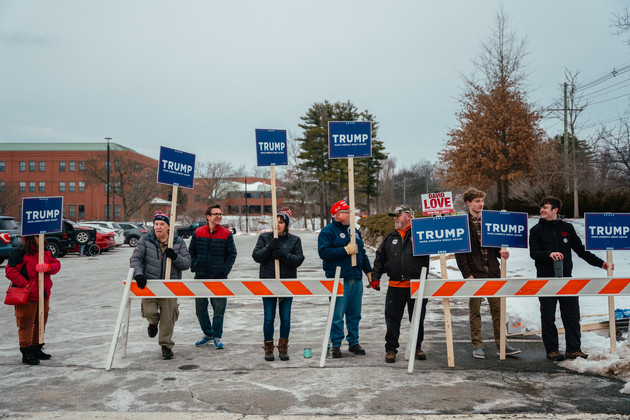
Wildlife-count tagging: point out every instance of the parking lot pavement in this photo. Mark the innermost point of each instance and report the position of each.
(237, 380)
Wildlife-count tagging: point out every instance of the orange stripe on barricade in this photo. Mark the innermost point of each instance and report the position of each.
(414, 286)
(140, 292)
(614, 286)
(490, 288)
(573, 287)
(257, 288)
(449, 288)
(218, 288)
(329, 284)
(297, 288)
(531, 287)
(179, 289)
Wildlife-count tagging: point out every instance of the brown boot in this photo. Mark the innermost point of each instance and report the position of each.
(283, 344)
(268, 346)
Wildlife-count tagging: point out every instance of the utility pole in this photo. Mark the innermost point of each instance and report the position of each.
(108, 164)
(566, 139)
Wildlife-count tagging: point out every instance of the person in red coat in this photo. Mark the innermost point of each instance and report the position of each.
(22, 269)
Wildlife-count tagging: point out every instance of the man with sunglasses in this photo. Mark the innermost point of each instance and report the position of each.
(213, 253)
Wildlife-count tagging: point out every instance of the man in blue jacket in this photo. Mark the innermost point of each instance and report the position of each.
(335, 250)
(213, 253)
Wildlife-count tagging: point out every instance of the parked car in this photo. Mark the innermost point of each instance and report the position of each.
(91, 247)
(133, 232)
(59, 243)
(112, 226)
(187, 231)
(104, 239)
(10, 236)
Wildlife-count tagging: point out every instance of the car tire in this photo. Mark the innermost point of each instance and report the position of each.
(82, 237)
(94, 250)
(53, 248)
(2, 260)
(62, 253)
(133, 241)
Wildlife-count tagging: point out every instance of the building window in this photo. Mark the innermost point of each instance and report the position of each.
(22, 166)
(62, 166)
(117, 165)
(42, 186)
(235, 194)
(81, 186)
(63, 212)
(62, 186)
(106, 212)
(81, 211)
(116, 212)
(22, 186)
(71, 166)
(2, 187)
(71, 186)
(81, 165)
(31, 186)
(42, 166)
(1, 165)
(31, 166)
(72, 211)
(268, 209)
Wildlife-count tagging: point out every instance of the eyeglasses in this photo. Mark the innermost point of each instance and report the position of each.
(216, 214)
(344, 211)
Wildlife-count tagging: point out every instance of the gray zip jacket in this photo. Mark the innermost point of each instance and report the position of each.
(147, 258)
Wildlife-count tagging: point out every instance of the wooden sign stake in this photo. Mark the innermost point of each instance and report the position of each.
(274, 211)
(353, 233)
(171, 231)
(502, 317)
(447, 316)
(612, 328)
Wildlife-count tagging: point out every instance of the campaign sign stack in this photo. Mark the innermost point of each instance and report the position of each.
(271, 147)
(41, 215)
(176, 168)
(503, 229)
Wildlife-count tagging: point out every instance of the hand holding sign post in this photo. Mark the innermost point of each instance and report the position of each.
(176, 168)
(347, 140)
(41, 215)
(271, 150)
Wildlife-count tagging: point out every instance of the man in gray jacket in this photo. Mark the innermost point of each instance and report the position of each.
(149, 262)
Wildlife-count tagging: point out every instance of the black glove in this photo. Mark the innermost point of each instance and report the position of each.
(141, 280)
(274, 244)
(276, 254)
(170, 253)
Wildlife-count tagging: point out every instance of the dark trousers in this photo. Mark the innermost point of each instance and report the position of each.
(395, 301)
(570, 314)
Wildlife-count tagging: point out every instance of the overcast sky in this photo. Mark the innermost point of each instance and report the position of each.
(201, 76)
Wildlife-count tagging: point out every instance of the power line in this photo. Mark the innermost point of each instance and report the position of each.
(609, 75)
(610, 99)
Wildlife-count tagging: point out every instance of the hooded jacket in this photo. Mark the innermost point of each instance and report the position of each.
(148, 259)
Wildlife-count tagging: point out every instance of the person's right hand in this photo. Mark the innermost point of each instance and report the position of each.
(351, 249)
(141, 280)
(556, 256)
(274, 244)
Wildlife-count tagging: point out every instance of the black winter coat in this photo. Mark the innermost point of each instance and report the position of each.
(471, 263)
(557, 236)
(292, 256)
(395, 257)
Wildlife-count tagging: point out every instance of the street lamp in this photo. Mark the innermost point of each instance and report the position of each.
(107, 185)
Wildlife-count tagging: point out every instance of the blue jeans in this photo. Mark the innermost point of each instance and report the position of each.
(214, 329)
(284, 309)
(349, 306)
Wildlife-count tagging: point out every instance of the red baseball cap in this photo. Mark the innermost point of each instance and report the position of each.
(339, 205)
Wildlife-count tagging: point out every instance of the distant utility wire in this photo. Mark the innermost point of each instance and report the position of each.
(604, 78)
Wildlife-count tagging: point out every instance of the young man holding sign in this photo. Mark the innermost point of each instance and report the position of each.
(481, 263)
(550, 243)
(335, 249)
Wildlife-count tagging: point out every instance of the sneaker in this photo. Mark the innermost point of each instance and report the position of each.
(509, 350)
(575, 355)
(205, 340)
(420, 355)
(390, 357)
(357, 349)
(218, 344)
(555, 356)
(152, 330)
(167, 354)
(336, 352)
(478, 353)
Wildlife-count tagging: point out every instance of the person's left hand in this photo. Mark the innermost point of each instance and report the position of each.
(276, 254)
(504, 254)
(605, 266)
(42, 268)
(170, 253)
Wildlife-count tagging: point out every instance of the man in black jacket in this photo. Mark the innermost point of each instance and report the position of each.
(552, 239)
(395, 258)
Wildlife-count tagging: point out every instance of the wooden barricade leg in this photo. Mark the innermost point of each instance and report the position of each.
(415, 322)
(123, 304)
(450, 354)
(331, 311)
(502, 317)
(612, 328)
(126, 330)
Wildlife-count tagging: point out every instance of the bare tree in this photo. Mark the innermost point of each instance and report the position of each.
(614, 148)
(385, 198)
(215, 178)
(9, 198)
(621, 21)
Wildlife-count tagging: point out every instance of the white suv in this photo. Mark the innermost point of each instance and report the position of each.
(113, 226)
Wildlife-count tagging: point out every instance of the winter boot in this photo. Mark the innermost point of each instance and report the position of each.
(38, 353)
(27, 356)
(283, 344)
(268, 346)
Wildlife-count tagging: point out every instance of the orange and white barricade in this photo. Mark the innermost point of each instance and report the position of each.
(228, 288)
(513, 287)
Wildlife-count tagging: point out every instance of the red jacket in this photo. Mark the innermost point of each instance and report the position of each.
(21, 269)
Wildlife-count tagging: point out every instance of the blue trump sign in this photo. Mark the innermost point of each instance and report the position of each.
(607, 231)
(41, 215)
(271, 147)
(349, 139)
(440, 235)
(176, 168)
(503, 229)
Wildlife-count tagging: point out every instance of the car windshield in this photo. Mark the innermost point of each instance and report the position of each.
(8, 224)
(116, 226)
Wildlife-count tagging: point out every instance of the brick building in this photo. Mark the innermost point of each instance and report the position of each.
(60, 169)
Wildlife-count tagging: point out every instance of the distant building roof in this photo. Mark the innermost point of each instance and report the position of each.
(160, 202)
(61, 147)
(251, 187)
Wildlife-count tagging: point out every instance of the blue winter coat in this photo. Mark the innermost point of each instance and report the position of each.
(330, 243)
